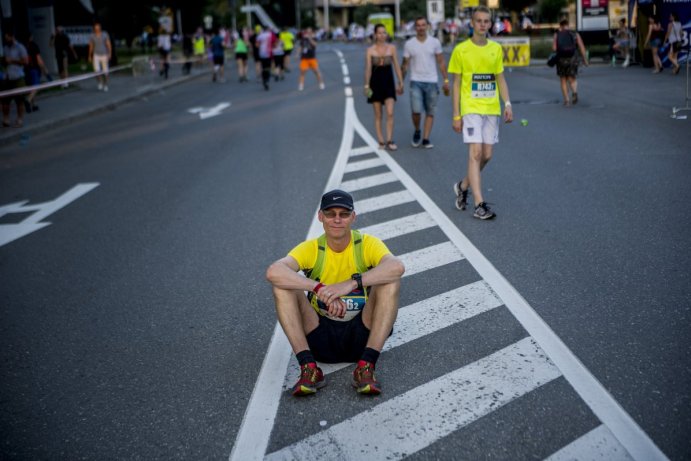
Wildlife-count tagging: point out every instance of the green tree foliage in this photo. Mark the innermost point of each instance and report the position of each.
(550, 10)
(516, 6)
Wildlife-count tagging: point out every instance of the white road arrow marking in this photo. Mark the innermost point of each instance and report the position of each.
(10, 232)
(208, 112)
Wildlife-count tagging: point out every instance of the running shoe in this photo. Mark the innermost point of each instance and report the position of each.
(364, 381)
(483, 211)
(416, 138)
(461, 196)
(311, 379)
(427, 144)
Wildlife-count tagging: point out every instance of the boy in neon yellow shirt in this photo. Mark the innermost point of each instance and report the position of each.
(477, 65)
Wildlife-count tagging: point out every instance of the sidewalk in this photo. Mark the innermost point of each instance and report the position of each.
(83, 99)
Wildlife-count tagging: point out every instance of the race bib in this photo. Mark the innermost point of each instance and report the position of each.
(355, 302)
(483, 86)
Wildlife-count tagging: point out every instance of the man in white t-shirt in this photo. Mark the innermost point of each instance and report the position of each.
(423, 54)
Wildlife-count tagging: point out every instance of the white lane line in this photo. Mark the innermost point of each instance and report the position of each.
(639, 445)
(421, 416)
(363, 165)
(423, 318)
(363, 150)
(368, 181)
(430, 257)
(11, 232)
(383, 201)
(260, 414)
(401, 226)
(597, 445)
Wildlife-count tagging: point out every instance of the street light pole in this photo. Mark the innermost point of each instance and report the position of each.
(326, 15)
(398, 17)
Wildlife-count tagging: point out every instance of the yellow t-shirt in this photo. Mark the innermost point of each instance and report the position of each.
(339, 267)
(479, 67)
(287, 38)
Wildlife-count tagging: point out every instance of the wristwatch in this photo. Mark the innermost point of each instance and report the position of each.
(358, 279)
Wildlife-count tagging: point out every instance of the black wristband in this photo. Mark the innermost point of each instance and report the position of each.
(358, 279)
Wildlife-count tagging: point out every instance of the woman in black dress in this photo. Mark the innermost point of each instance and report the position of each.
(380, 88)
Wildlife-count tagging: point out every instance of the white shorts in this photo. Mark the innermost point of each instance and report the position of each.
(100, 63)
(480, 129)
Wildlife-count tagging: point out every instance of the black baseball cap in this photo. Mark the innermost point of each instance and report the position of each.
(337, 198)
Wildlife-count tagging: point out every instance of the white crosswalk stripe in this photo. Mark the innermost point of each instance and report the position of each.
(363, 165)
(355, 185)
(430, 257)
(401, 226)
(440, 407)
(597, 445)
(384, 201)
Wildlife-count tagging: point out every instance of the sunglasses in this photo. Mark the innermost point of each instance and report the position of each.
(331, 214)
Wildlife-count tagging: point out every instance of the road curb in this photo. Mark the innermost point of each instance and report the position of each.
(49, 125)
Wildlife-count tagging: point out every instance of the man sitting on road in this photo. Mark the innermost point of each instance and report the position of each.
(353, 282)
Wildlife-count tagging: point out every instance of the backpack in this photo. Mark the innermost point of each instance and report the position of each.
(566, 44)
(358, 253)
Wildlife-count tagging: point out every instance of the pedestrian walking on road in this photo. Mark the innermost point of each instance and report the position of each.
(308, 59)
(352, 282)
(567, 44)
(241, 53)
(218, 55)
(164, 47)
(34, 69)
(655, 38)
(15, 57)
(477, 65)
(100, 52)
(278, 59)
(265, 42)
(673, 37)
(288, 39)
(381, 64)
(63, 52)
(622, 42)
(423, 54)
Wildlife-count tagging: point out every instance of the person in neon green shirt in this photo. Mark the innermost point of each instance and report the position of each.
(288, 39)
(348, 312)
(477, 65)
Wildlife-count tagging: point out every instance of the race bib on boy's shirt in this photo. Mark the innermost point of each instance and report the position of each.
(483, 86)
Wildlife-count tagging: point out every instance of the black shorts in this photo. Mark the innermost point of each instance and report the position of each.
(219, 60)
(333, 341)
(242, 56)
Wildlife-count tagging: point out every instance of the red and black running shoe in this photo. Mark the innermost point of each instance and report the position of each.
(311, 379)
(364, 380)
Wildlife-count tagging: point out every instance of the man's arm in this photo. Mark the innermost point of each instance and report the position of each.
(404, 66)
(442, 68)
(110, 47)
(504, 93)
(389, 269)
(284, 274)
(457, 123)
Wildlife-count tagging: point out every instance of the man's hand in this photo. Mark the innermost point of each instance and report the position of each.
(331, 295)
(508, 114)
(457, 125)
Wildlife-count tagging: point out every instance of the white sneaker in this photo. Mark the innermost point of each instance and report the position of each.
(100, 87)
(322, 86)
(626, 62)
(105, 88)
(301, 87)
(65, 85)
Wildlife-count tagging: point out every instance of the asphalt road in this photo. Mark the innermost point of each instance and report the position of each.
(135, 324)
